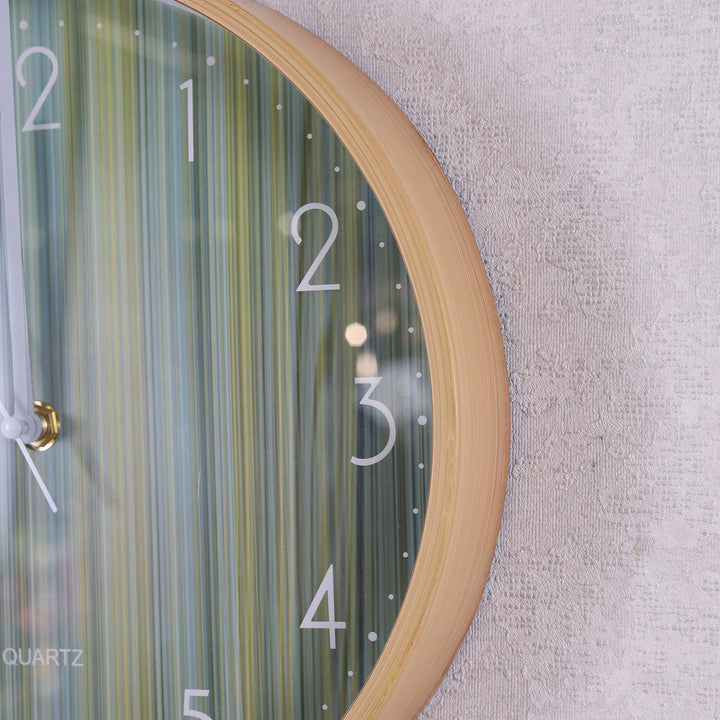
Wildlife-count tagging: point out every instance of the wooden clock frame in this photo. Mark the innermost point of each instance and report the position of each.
(470, 397)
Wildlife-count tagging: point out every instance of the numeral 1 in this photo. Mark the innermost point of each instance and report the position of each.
(188, 85)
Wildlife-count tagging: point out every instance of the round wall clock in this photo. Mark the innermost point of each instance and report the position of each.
(254, 405)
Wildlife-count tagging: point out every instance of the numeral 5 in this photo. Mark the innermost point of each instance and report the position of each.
(187, 711)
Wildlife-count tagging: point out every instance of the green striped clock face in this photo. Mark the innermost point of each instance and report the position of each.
(220, 315)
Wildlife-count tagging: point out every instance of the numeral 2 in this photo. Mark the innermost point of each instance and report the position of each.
(305, 285)
(30, 122)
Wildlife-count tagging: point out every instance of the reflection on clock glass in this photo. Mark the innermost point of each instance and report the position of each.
(220, 314)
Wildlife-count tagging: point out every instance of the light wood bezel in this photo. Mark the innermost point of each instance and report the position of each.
(471, 415)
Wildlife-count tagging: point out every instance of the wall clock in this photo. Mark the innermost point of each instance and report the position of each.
(257, 310)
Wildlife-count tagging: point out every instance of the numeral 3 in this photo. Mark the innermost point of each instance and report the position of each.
(373, 382)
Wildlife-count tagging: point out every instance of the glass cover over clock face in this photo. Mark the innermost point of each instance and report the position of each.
(221, 317)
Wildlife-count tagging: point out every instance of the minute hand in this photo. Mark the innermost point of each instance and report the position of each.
(24, 424)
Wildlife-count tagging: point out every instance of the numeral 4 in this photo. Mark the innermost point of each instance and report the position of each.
(327, 587)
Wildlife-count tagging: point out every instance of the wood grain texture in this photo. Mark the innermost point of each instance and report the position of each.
(469, 376)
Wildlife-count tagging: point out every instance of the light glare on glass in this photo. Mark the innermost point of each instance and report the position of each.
(367, 365)
(355, 334)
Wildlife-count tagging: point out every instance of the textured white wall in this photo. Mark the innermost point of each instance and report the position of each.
(583, 139)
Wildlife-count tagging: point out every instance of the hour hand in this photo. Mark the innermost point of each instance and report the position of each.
(30, 423)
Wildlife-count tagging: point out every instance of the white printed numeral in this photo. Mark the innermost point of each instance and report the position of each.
(305, 285)
(327, 587)
(30, 124)
(373, 382)
(187, 711)
(188, 85)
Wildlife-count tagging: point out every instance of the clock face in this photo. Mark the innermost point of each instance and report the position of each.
(220, 314)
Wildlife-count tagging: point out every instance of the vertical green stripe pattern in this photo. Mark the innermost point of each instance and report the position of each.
(209, 409)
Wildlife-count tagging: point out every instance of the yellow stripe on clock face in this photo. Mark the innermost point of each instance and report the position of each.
(243, 465)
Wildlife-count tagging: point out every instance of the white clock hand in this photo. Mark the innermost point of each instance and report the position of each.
(33, 468)
(24, 424)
